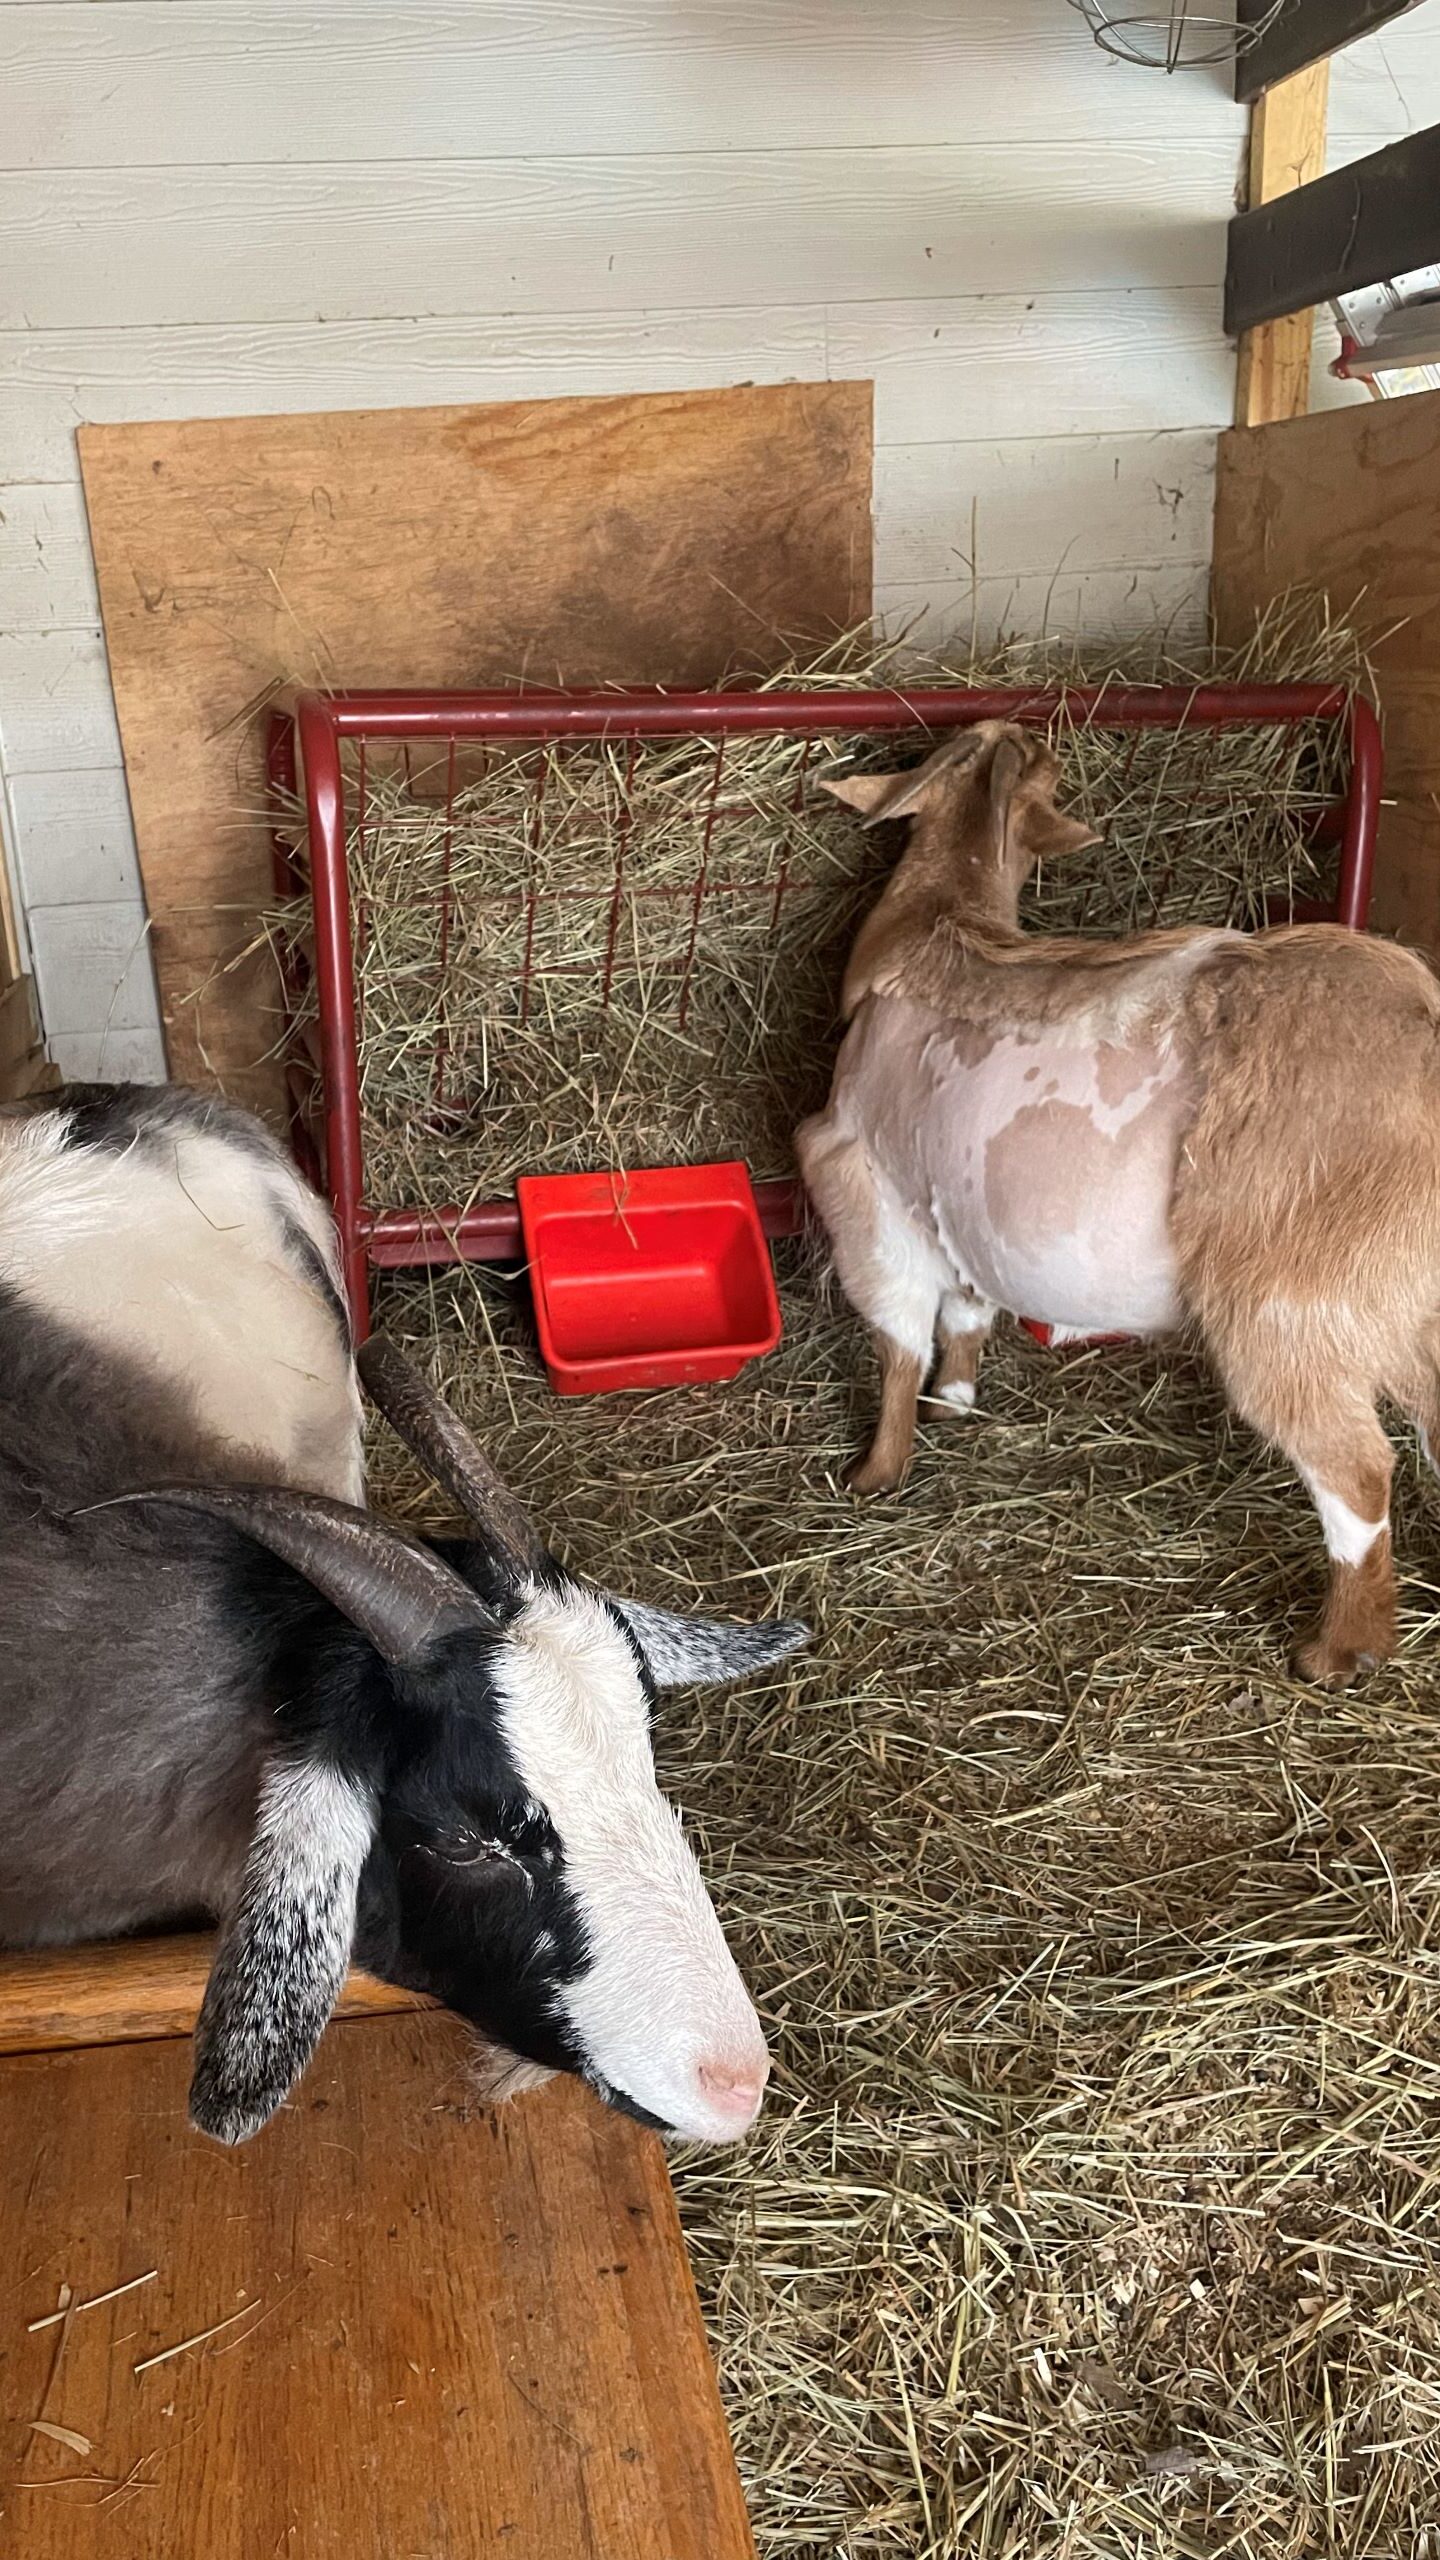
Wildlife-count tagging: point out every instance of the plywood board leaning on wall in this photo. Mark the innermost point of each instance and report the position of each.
(1348, 503)
(662, 539)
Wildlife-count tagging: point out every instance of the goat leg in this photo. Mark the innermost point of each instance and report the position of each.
(886, 1462)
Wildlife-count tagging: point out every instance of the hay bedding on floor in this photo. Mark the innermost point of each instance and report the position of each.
(1093, 2212)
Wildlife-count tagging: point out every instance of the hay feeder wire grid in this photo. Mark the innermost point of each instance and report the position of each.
(308, 742)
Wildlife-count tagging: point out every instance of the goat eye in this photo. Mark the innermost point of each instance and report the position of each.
(465, 1849)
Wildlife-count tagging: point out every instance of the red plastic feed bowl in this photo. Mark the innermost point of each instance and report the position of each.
(656, 1279)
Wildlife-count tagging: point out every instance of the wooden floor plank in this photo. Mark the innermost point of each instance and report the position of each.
(131, 1989)
(460, 2330)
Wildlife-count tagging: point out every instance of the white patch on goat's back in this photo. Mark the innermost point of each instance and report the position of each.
(177, 1257)
(1348, 1538)
(661, 1994)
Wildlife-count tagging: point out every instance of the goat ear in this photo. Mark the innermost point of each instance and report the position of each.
(1023, 814)
(1050, 835)
(901, 794)
(285, 1949)
(703, 1653)
(860, 791)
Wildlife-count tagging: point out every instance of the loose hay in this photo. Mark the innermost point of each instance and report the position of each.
(1094, 2209)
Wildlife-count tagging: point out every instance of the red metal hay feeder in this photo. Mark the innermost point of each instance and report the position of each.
(376, 1235)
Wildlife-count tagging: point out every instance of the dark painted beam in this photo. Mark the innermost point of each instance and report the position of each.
(1304, 32)
(1361, 225)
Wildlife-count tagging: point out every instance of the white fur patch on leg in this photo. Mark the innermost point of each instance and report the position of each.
(960, 1393)
(1348, 1538)
(964, 1313)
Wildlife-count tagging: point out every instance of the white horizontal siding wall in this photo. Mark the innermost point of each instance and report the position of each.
(1382, 88)
(210, 207)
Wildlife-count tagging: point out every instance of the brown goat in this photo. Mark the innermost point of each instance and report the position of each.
(1238, 1134)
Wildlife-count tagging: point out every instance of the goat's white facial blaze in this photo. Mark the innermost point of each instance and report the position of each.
(661, 2015)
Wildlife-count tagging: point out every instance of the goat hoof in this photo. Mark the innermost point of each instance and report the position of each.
(866, 1477)
(1326, 1665)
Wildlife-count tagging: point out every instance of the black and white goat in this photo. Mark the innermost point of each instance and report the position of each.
(225, 1689)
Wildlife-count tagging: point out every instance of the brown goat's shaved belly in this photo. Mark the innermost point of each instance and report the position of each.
(1039, 1160)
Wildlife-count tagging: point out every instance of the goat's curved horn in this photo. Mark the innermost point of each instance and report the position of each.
(445, 1449)
(961, 747)
(390, 1586)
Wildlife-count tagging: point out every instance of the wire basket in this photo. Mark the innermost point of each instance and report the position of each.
(1178, 38)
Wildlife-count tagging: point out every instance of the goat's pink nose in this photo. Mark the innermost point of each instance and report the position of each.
(735, 2088)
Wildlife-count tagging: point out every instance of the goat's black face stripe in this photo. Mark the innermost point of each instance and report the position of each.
(497, 1935)
(625, 2106)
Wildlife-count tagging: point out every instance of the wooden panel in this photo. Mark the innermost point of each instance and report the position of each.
(135, 1989)
(435, 2330)
(1349, 503)
(24, 1067)
(1300, 34)
(1084, 501)
(46, 579)
(1287, 149)
(55, 704)
(1374, 219)
(1386, 85)
(140, 85)
(125, 1057)
(12, 949)
(650, 540)
(93, 965)
(524, 236)
(1080, 364)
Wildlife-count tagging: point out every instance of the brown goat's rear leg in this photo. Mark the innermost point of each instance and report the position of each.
(1356, 1628)
(886, 1462)
(891, 1275)
(965, 1321)
(1416, 1389)
(1348, 1466)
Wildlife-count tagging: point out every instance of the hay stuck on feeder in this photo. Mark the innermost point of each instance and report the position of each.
(1092, 2213)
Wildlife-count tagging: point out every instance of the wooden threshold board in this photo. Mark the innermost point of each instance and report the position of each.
(132, 1990)
(398, 2323)
(403, 2322)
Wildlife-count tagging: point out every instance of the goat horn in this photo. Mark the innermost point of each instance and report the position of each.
(445, 1449)
(385, 1582)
